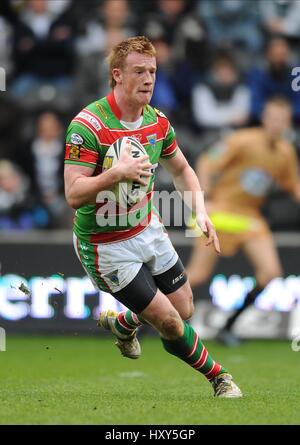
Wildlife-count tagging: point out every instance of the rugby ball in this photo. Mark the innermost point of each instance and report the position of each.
(126, 193)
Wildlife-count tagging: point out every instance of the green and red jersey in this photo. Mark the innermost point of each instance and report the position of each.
(89, 136)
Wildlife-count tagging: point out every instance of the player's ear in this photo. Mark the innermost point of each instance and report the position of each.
(117, 75)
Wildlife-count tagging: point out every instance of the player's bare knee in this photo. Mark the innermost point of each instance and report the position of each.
(187, 312)
(191, 311)
(171, 326)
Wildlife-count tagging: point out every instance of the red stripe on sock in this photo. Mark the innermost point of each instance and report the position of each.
(123, 322)
(211, 369)
(133, 326)
(196, 340)
(203, 361)
(198, 362)
(214, 371)
(135, 318)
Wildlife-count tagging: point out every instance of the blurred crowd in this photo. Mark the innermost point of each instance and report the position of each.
(218, 62)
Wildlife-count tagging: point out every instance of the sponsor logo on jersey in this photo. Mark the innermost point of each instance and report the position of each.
(152, 138)
(101, 109)
(76, 139)
(90, 119)
(107, 163)
(138, 137)
(160, 113)
(74, 152)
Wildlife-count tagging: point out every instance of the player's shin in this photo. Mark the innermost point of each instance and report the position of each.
(190, 349)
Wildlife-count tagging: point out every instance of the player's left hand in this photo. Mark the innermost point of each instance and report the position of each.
(209, 231)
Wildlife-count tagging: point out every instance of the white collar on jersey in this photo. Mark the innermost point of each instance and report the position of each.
(132, 125)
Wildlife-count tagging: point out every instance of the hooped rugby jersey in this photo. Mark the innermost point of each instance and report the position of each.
(88, 138)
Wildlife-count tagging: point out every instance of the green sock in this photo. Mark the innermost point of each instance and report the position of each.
(127, 322)
(190, 349)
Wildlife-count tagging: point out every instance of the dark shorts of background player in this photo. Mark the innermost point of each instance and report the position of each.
(139, 293)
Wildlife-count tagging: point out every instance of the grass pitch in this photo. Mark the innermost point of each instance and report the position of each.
(84, 380)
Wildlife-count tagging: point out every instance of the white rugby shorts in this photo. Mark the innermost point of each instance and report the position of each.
(112, 266)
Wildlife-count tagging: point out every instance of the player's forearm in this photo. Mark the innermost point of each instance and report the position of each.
(188, 185)
(84, 190)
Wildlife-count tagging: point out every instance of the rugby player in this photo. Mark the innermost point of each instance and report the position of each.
(237, 175)
(136, 263)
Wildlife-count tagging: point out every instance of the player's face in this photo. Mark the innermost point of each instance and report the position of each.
(138, 78)
(276, 119)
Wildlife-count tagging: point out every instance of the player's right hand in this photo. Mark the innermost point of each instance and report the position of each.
(133, 169)
(209, 231)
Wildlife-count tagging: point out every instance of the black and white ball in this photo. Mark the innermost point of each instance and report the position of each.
(131, 192)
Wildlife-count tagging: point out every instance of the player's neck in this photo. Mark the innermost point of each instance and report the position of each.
(130, 111)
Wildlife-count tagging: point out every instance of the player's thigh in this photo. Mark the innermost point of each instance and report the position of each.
(89, 257)
(143, 297)
(182, 300)
(174, 284)
(139, 293)
(263, 255)
(111, 267)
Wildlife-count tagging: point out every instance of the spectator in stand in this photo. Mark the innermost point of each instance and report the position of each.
(58, 7)
(166, 19)
(191, 52)
(42, 49)
(232, 23)
(112, 23)
(42, 160)
(275, 78)
(112, 20)
(164, 95)
(281, 17)
(18, 207)
(10, 113)
(5, 45)
(222, 101)
(183, 30)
